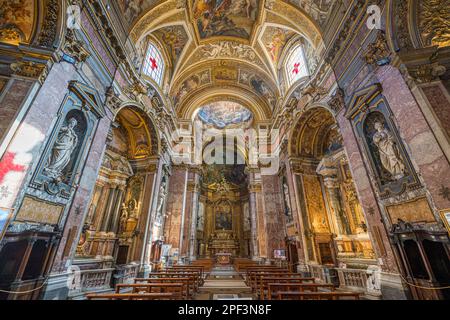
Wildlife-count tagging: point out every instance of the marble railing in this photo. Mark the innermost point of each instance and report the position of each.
(354, 279)
(126, 273)
(91, 281)
(318, 272)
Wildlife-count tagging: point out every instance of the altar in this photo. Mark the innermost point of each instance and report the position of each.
(223, 243)
(224, 259)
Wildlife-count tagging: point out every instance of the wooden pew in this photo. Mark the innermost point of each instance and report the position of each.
(132, 296)
(274, 288)
(253, 276)
(195, 274)
(194, 282)
(179, 290)
(248, 270)
(317, 296)
(191, 270)
(207, 264)
(265, 281)
(189, 287)
(241, 263)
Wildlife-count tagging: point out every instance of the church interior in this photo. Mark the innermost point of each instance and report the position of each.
(224, 150)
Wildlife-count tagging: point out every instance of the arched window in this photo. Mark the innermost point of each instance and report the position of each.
(296, 66)
(154, 64)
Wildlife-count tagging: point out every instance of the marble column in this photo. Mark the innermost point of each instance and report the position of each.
(110, 205)
(254, 199)
(194, 216)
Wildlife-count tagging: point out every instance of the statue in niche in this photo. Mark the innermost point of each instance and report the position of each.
(287, 201)
(62, 151)
(389, 154)
(161, 199)
(123, 218)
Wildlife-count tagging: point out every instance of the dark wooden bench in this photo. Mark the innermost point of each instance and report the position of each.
(317, 296)
(132, 296)
(264, 282)
(274, 288)
(179, 290)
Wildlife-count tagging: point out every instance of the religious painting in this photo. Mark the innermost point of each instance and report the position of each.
(224, 221)
(5, 217)
(232, 18)
(319, 10)
(192, 83)
(132, 9)
(224, 114)
(315, 204)
(16, 20)
(274, 39)
(175, 38)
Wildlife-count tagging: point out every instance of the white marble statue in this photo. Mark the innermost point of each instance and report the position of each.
(161, 199)
(63, 148)
(390, 157)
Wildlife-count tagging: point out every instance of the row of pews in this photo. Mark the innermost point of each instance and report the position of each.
(174, 283)
(277, 283)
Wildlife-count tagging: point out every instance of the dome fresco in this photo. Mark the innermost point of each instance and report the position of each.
(224, 114)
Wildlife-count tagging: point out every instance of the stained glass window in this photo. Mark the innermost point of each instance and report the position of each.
(154, 64)
(296, 65)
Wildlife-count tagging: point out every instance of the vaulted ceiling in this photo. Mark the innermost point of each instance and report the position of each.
(237, 46)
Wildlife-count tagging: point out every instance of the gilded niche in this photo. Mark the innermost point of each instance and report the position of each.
(434, 22)
(316, 205)
(16, 20)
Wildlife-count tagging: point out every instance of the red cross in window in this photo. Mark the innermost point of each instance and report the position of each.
(296, 68)
(7, 165)
(153, 65)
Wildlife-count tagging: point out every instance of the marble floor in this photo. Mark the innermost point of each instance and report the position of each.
(224, 283)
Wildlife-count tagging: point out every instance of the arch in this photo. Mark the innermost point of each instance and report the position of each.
(311, 133)
(261, 111)
(141, 130)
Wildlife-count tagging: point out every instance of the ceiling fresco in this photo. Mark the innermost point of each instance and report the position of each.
(216, 46)
(274, 40)
(191, 84)
(132, 9)
(225, 114)
(319, 10)
(229, 18)
(175, 40)
(16, 20)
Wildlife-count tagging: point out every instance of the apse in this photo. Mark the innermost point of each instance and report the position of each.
(225, 115)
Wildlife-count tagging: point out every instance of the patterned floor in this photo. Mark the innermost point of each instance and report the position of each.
(224, 283)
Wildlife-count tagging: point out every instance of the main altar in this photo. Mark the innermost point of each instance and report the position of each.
(224, 259)
(222, 242)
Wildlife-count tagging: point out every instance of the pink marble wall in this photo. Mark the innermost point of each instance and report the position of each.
(275, 226)
(295, 210)
(145, 215)
(440, 104)
(416, 133)
(174, 207)
(366, 195)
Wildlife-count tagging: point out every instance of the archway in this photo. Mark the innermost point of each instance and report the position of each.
(336, 225)
(114, 229)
